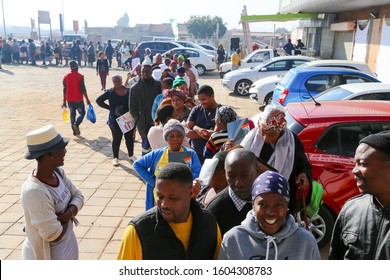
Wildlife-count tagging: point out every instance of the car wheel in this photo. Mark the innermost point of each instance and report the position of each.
(242, 87)
(201, 69)
(268, 98)
(320, 225)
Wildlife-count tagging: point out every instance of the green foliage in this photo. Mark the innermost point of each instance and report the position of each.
(205, 27)
(123, 21)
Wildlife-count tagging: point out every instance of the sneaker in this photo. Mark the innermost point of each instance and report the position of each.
(132, 159)
(115, 162)
(76, 130)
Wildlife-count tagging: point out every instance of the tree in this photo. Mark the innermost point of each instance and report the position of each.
(281, 30)
(123, 21)
(204, 27)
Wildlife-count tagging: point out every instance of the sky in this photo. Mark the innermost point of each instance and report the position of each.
(106, 13)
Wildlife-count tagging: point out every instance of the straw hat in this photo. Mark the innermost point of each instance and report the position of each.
(44, 140)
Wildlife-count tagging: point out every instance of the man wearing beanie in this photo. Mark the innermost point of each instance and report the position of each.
(268, 231)
(150, 164)
(362, 228)
(74, 93)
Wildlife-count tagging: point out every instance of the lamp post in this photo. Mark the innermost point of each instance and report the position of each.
(5, 31)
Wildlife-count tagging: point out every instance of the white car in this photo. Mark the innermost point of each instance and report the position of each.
(241, 80)
(189, 44)
(201, 60)
(251, 60)
(262, 90)
(358, 91)
(208, 47)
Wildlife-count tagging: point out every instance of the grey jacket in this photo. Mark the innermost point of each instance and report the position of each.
(248, 242)
(362, 231)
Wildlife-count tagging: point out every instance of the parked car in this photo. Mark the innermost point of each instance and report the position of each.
(363, 91)
(262, 90)
(241, 80)
(330, 134)
(155, 47)
(208, 47)
(305, 83)
(201, 60)
(188, 44)
(251, 60)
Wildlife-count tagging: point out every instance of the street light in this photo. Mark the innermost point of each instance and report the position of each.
(5, 31)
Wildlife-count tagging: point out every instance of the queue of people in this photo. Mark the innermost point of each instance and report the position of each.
(244, 212)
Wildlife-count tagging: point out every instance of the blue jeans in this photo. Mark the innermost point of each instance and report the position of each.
(80, 108)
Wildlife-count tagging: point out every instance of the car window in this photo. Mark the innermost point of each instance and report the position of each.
(373, 96)
(352, 79)
(260, 57)
(277, 66)
(297, 63)
(318, 83)
(192, 53)
(336, 93)
(343, 139)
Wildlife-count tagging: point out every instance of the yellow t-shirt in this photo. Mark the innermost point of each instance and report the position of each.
(235, 59)
(131, 248)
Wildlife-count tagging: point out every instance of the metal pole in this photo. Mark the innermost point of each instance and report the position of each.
(5, 31)
(273, 38)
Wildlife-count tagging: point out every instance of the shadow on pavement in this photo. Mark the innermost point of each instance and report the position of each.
(7, 72)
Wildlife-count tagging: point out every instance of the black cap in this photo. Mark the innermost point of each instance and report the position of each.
(380, 141)
(73, 65)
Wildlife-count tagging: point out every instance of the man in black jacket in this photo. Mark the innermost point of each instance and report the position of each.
(177, 228)
(362, 229)
(142, 96)
(232, 204)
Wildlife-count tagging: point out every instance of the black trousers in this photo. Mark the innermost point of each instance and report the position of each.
(117, 138)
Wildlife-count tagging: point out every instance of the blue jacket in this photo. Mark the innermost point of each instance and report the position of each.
(146, 166)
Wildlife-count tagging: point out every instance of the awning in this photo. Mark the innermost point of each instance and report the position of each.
(279, 17)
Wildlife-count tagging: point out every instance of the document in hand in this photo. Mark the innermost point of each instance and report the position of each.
(126, 122)
(208, 169)
(237, 130)
(182, 157)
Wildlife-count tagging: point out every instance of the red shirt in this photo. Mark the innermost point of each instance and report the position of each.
(73, 85)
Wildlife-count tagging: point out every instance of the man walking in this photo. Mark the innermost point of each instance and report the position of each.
(362, 229)
(142, 96)
(74, 93)
(236, 60)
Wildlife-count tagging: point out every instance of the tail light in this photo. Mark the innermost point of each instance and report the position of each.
(282, 96)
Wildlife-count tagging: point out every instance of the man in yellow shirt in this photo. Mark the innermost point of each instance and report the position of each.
(177, 228)
(236, 60)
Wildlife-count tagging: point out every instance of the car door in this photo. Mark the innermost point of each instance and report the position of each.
(333, 160)
(194, 56)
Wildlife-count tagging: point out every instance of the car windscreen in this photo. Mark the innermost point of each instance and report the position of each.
(292, 124)
(336, 93)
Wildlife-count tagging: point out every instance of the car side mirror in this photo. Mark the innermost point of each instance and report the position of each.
(249, 60)
(264, 69)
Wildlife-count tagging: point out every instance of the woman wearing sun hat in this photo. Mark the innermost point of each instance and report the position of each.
(49, 199)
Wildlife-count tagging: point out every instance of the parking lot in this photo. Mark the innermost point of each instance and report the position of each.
(32, 97)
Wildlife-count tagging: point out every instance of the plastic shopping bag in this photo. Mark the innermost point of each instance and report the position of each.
(91, 116)
(65, 115)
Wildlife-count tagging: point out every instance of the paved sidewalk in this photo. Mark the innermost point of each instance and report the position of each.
(30, 98)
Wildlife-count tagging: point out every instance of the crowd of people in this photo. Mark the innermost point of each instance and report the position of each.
(242, 212)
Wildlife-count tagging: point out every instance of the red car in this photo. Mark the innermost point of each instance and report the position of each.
(330, 134)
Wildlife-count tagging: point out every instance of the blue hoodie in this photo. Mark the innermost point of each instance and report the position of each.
(248, 242)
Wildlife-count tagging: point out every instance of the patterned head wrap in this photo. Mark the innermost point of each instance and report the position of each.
(271, 182)
(177, 92)
(273, 118)
(226, 114)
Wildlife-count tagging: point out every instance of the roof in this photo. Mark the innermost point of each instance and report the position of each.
(366, 87)
(347, 111)
(336, 70)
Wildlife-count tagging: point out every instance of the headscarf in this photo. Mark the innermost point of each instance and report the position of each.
(177, 92)
(273, 118)
(271, 182)
(226, 114)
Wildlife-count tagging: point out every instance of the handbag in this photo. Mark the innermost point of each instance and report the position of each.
(65, 115)
(91, 116)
